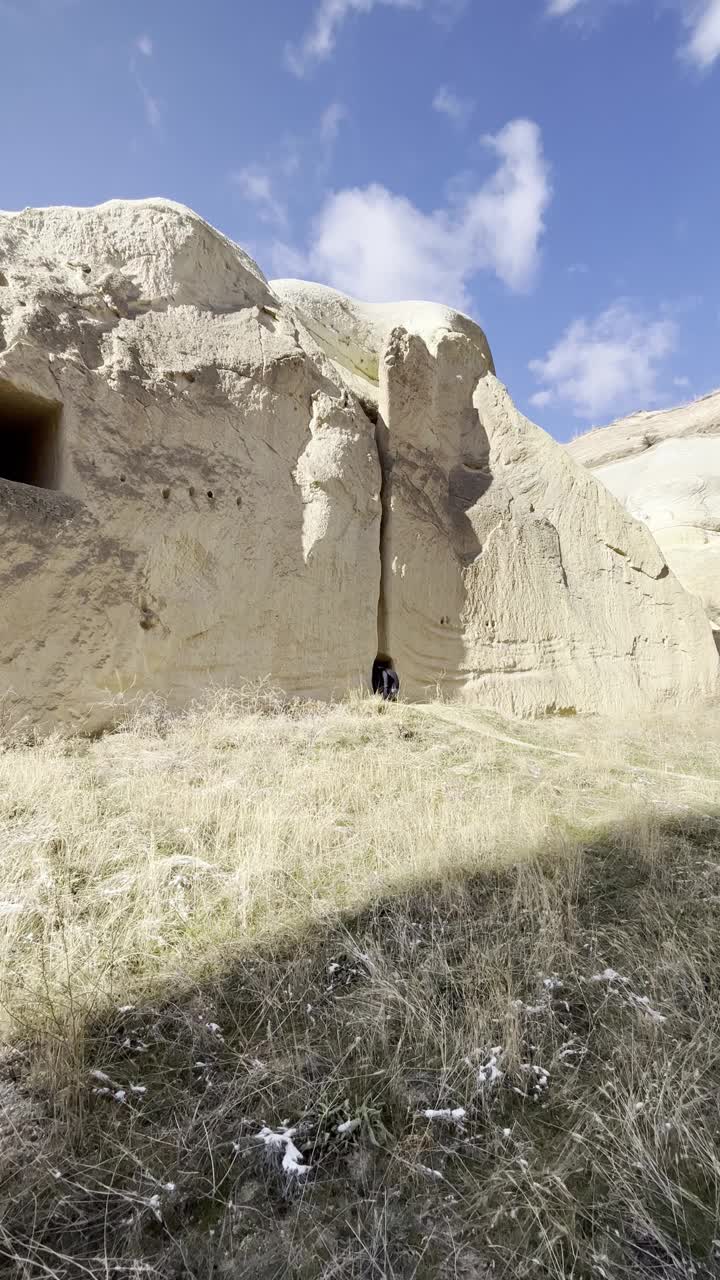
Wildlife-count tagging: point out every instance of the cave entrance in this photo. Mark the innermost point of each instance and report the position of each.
(384, 678)
(29, 438)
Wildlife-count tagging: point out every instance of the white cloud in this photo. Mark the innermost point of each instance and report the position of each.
(558, 8)
(506, 214)
(681, 382)
(448, 11)
(268, 185)
(320, 38)
(450, 104)
(256, 186)
(153, 110)
(152, 106)
(378, 245)
(608, 365)
(703, 19)
(330, 121)
(30, 10)
(286, 263)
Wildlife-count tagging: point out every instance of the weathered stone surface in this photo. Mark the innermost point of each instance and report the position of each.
(210, 508)
(509, 574)
(191, 492)
(665, 469)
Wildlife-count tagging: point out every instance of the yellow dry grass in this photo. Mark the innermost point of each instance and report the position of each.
(253, 915)
(137, 859)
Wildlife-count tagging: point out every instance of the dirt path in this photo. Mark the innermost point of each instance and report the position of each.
(466, 720)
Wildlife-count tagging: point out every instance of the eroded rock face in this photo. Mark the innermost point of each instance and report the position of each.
(208, 479)
(209, 508)
(510, 576)
(665, 469)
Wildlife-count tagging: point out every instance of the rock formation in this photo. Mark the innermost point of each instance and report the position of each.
(509, 574)
(665, 469)
(197, 501)
(208, 479)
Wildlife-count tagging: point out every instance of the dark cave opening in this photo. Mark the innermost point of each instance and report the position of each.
(29, 438)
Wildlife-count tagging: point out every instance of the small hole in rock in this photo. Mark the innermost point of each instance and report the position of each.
(166, 494)
(191, 491)
(148, 618)
(239, 501)
(210, 493)
(123, 479)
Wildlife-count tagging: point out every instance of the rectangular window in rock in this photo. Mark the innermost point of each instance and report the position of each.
(29, 438)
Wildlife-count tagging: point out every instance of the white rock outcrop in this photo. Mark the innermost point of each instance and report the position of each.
(188, 497)
(509, 574)
(208, 479)
(665, 469)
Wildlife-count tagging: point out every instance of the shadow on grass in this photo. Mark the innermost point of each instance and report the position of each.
(570, 1006)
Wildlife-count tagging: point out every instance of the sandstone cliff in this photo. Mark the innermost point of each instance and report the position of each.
(204, 478)
(665, 469)
(197, 502)
(509, 574)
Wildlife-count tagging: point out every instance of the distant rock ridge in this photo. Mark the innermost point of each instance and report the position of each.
(209, 479)
(664, 467)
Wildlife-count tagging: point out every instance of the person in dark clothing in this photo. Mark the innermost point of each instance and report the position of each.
(385, 680)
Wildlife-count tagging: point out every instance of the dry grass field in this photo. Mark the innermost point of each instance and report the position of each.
(361, 991)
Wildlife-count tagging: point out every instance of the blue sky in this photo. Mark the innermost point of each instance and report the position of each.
(550, 166)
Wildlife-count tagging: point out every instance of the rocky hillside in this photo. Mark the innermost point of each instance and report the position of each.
(665, 469)
(207, 479)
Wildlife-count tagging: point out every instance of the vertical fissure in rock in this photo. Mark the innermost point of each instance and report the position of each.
(383, 451)
(383, 627)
